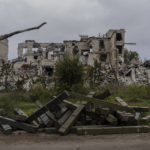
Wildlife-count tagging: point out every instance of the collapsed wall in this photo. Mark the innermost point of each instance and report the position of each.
(108, 50)
(4, 49)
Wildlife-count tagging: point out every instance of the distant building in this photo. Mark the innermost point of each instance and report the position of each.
(4, 49)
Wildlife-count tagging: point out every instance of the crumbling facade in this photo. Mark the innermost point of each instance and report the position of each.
(4, 49)
(41, 55)
(108, 49)
(36, 59)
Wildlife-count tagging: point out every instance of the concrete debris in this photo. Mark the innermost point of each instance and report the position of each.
(92, 116)
(104, 53)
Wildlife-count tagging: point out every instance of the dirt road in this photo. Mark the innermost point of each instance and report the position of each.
(23, 141)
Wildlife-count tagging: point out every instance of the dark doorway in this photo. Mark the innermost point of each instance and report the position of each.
(103, 57)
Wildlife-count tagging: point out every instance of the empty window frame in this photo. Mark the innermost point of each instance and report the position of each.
(119, 49)
(118, 37)
(101, 44)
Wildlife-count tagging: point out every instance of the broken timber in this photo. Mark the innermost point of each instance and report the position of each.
(15, 124)
(112, 130)
(140, 109)
(121, 102)
(50, 105)
(102, 103)
(64, 129)
(7, 129)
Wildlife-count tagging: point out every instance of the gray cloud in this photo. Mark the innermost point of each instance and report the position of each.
(69, 18)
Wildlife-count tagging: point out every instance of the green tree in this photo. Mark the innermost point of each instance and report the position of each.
(69, 72)
(130, 55)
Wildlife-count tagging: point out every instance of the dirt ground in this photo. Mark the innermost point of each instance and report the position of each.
(40, 141)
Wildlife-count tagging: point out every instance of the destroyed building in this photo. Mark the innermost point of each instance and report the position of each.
(36, 59)
(42, 56)
(108, 49)
(4, 49)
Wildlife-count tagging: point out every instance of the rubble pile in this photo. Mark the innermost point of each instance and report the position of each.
(92, 116)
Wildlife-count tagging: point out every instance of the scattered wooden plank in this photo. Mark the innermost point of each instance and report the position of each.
(70, 105)
(112, 119)
(19, 125)
(50, 105)
(125, 118)
(64, 117)
(64, 129)
(121, 102)
(112, 130)
(145, 119)
(101, 103)
(7, 129)
(140, 109)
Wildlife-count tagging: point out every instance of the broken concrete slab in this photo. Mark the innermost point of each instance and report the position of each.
(19, 125)
(64, 129)
(112, 130)
(121, 102)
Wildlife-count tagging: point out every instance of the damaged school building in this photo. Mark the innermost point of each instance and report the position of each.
(35, 59)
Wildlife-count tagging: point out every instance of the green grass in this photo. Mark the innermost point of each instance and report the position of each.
(133, 95)
(24, 100)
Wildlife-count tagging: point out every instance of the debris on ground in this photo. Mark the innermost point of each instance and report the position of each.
(92, 116)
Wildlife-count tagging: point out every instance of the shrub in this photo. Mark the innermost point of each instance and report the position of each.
(69, 71)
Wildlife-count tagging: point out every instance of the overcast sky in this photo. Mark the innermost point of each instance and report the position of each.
(67, 19)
